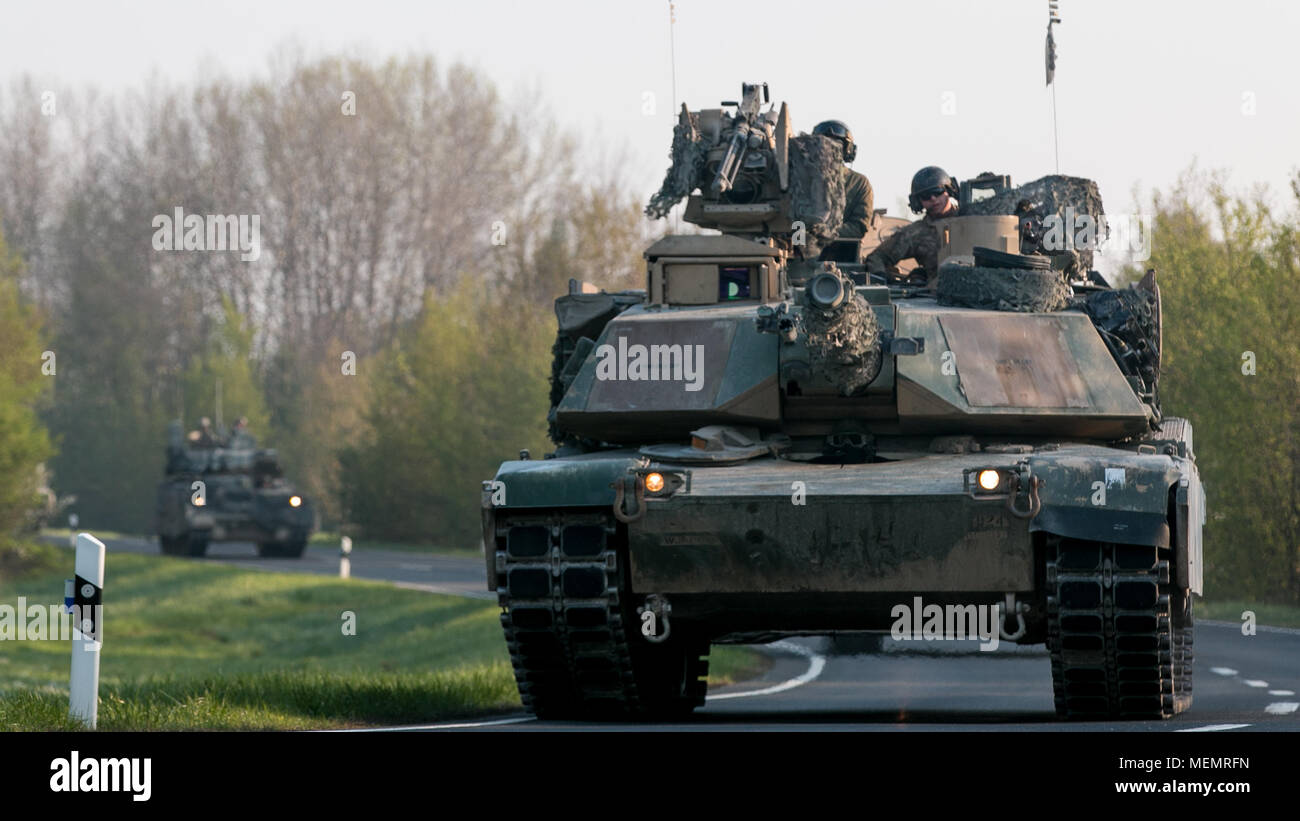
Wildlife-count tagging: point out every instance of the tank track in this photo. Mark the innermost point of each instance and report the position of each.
(572, 633)
(1119, 634)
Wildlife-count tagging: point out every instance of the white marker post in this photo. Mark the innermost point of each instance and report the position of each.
(73, 521)
(345, 563)
(87, 630)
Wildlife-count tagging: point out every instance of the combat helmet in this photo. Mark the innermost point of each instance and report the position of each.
(836, 129)
(932, 176)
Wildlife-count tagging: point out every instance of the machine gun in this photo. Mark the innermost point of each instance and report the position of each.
(748, 133)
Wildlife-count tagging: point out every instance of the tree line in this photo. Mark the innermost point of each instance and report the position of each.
(389, 337)
(1227, 266)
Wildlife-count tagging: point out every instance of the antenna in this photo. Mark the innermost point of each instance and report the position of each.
(219, 426)
(1053, 9)
(672, 60)
(672, 48)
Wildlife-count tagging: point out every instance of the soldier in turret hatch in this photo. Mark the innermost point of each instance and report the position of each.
(204, 437)
(240, 438)
(934, 192)
(858, 199)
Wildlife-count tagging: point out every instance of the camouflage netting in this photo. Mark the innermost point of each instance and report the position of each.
(1126, 318)
(1001, 289)
(817, 188)
(843, 343)
(1050, 195)
(688, 155)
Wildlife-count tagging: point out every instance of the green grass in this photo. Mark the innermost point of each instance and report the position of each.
(198, 645)
(730, 664)
(1276, 615)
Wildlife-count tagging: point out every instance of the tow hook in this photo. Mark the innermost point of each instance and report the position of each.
(655, 612)
(621, 494)
(1030, 484)
(1019, 610)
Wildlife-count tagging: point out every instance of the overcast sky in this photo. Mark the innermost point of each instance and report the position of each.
(1143, 88)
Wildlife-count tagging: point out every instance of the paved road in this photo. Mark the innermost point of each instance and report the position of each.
(1242, 683)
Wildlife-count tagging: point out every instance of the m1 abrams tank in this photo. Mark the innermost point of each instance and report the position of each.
(226, 489)
(764, 443)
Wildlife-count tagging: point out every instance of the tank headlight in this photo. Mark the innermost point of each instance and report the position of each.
(989, 479)
(654, 482)
(199, 501)
(295, 501)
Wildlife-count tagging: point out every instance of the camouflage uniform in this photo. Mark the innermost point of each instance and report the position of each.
(919, 240)
(858, 204)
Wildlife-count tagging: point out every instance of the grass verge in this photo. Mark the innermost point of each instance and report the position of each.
(197, 645)
(203, 646)
(1275, 615)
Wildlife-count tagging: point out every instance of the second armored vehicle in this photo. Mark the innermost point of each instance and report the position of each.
(226, 489)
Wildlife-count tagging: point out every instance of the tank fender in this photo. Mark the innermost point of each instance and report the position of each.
(572, 482)
(583, 481)
(1189, 515)
(1113, 496)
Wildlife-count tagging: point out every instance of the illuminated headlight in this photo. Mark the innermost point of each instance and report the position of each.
(662, 483)
(988, 482)
(295, 501)
(199, 501)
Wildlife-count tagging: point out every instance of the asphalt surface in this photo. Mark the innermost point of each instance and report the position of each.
(1241, 683)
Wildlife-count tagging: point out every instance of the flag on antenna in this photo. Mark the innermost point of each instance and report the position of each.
(1052, 7)
(1051, 56)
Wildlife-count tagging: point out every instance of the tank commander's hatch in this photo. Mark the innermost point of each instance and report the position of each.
(958, 236)
(711, 270)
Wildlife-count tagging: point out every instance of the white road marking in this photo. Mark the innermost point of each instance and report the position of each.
(1213, 728)
(464, 726)
(1282, 708)
(815, 665)
(1281, 692)
(1223, 671)
(1252, 682)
